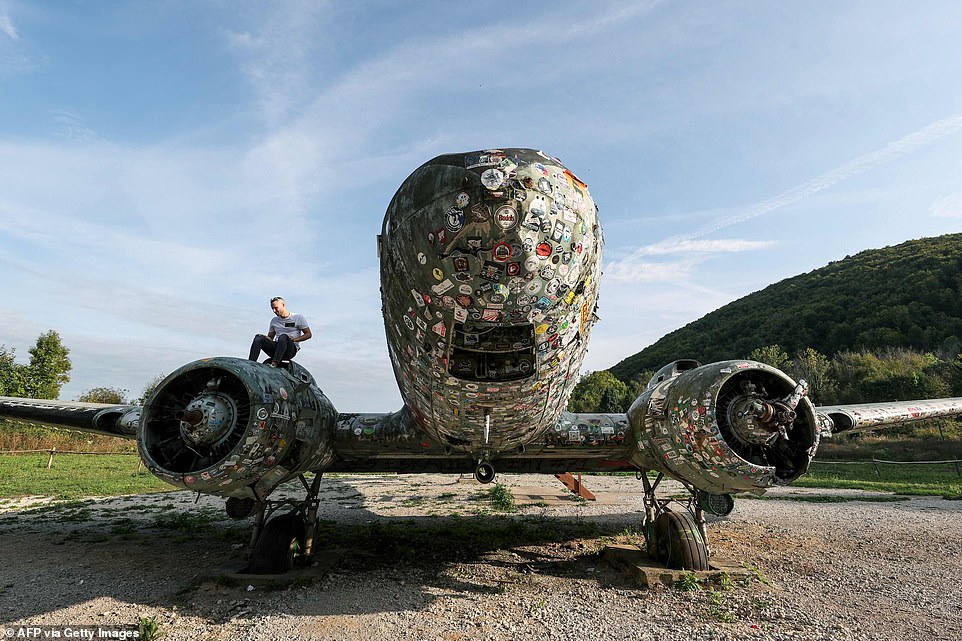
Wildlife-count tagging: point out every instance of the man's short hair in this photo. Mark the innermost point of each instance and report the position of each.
(276, 298)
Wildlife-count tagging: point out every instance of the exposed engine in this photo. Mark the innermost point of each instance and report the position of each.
(237, 428)
(731, 426)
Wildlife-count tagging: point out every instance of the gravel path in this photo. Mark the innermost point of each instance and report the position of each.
(428, 557)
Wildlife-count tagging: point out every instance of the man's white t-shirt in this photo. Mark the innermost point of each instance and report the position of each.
(292, 325)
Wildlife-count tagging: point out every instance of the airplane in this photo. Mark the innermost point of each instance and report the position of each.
(490, 263)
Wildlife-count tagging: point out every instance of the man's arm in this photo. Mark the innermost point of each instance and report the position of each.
(305, 335)
(271, 333)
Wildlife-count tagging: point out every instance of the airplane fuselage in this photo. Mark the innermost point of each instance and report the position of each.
(490, 263)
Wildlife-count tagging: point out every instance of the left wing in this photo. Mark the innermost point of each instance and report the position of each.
(98, 418)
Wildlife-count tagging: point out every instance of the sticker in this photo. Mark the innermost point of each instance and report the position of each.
(544, 250)
(461, 200)
(454, 220)
(460, 314)
(501, 252)
(461, 264)
(262, 411)
(466, 289)
(506, 217)
(422, 258)
(438, 274)
(439, 329)
(514, 269)
(492, 178)
(441, 288)
(409, 322)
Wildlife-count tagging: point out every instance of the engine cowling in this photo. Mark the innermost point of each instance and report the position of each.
(732, 426)
(234, 427)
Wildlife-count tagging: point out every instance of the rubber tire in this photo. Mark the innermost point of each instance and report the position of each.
(280, 542)
(679, 544)
(717, 504)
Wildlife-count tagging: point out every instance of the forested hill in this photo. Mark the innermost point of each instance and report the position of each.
(909, 295)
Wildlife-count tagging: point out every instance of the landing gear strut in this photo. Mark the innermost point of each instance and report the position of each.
(675, 538)
(277, 541)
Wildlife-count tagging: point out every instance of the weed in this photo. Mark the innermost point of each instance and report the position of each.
(717, 608)
(149, 629)
(501, 498)
(725, 581)
(689, 582)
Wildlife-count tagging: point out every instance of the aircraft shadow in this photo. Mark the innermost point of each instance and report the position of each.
(160, 550)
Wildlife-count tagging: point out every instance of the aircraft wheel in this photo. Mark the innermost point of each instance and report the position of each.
(678, 543)
(281, 541)
(717, 504)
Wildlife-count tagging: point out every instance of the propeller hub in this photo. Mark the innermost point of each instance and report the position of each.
(208, 419)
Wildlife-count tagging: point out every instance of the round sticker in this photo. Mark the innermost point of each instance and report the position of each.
(506, 217)
(501, 252)
(462, 200)
(466, 289)
(422, 258)
(492, 179)
(438, 274)
(544, 249)
(408, 322)
(454, 220)
(533, 287)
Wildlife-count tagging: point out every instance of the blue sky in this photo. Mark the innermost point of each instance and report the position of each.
(168, 167)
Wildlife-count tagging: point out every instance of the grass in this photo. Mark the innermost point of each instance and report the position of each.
(75, 476)
(911, 480)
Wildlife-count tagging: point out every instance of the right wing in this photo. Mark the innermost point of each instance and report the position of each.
(851, 419)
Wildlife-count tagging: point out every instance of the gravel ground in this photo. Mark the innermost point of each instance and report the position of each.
(428, 557)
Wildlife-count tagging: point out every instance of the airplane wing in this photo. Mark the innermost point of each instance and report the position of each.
(98, 418)
(852, 419)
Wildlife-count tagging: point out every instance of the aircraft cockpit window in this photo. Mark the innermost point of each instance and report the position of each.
(492, 353)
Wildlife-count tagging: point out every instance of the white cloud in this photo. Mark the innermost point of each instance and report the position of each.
(948, 207)
(720, 246)
(6, 25)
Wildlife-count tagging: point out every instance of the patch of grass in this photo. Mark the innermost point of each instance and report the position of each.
(825, 498)
(913, 480)
(74, 476)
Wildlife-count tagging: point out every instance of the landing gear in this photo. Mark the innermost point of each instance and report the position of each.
(484, 473)
(278, 542)
(675, 538)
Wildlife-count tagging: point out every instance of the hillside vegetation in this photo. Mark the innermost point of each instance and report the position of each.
(882, 325)
(906, 296)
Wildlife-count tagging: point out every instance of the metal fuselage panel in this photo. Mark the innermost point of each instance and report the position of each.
(490, 263)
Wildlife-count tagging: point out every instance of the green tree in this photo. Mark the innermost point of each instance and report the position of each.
(772, 355)
(13, 378)
(110, 395)
(815, 369)
(49, 366)
(596, 390)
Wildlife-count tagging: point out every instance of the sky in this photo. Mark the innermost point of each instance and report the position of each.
(168, 167)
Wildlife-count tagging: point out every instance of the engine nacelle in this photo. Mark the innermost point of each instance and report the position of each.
(732, 426)
(234, 427)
